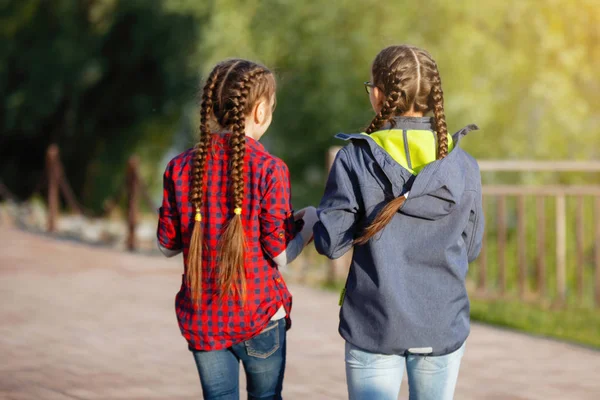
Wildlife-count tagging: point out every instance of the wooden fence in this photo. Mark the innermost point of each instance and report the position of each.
(528, 253)
(554, 272)
(537, 279)
(133, 188)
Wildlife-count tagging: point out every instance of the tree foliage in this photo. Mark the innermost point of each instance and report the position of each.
(525, 71)
(98, 77)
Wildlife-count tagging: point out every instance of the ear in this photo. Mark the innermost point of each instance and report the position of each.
(260, 112)
(379, 96)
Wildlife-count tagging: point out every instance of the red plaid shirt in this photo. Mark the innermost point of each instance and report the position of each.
(269, 226)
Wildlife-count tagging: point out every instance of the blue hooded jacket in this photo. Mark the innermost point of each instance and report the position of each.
(405, 291)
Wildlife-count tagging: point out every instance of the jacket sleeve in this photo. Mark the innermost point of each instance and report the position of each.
(473, 234)
(338, 211)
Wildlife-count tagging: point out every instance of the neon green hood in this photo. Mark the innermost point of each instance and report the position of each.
(413, 149)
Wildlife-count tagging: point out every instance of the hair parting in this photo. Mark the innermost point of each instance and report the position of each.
(194, 264)
(230, 92)
(410, 81)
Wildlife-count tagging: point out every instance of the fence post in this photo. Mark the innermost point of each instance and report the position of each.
(521, 245)
(66, 190)
(5, 193)
(561, 248)
(52, 172)
(541, 244)
(501, 218)
(132, 183)
(579, 236)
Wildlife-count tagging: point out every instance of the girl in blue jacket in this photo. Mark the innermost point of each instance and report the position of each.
(409, 199)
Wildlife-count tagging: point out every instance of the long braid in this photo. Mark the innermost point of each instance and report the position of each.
(437, 97)
(194, 267)
(390, 107)
(232, 275)
(415, 76)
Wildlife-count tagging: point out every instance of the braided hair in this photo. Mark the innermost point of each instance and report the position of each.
(410, 80)
(230, 93)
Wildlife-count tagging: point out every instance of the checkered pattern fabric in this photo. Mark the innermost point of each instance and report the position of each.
(269, 226)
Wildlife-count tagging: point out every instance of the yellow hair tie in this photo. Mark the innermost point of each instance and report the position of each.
(237, 211)
(198, 216)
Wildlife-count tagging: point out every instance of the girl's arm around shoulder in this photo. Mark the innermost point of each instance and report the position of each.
(338, 211)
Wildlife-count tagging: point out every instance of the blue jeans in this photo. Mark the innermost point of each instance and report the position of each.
(379, 376)
(263, 358)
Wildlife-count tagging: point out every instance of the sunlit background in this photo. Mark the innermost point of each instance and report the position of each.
(114, 84)
(105, 79)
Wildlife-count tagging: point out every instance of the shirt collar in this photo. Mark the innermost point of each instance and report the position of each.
(250, 142)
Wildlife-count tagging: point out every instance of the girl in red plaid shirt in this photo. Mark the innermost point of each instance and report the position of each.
(226, 206)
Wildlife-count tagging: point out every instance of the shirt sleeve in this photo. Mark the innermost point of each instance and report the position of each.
(169, 232)
(277, 225)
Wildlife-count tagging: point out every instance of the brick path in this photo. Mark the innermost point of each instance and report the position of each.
(87, 323)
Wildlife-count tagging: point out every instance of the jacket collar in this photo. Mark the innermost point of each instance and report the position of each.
(397, 173)
(423, 123)
(410, 123)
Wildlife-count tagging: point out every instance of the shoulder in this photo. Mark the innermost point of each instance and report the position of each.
(260, 156)
(180, 162)
(351, 152)
(470, 162)
(471, 170)
(346, 153)
(266, 166)
(275, 166)
(355, 145)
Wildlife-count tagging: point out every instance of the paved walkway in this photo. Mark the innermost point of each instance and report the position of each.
(87, 323)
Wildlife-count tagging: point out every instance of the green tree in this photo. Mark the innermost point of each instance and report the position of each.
(525, 72)
(105, 77)
(97, 77)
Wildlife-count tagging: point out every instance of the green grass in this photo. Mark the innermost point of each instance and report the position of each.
(578, 325)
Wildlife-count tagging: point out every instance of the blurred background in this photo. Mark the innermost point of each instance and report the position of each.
(106, 78)
(114, 85)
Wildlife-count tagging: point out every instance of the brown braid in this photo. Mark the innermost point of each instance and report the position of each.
(412, 73)
(194, 265)
(437, 103)
(391, 106)
(232, 272)
(229, 95)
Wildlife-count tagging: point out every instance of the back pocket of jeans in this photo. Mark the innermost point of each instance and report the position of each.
(265, 343)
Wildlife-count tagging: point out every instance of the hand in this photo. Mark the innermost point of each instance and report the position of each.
(310, 219)
(298, 215)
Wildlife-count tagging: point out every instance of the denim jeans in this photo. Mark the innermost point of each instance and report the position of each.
(379, 376)
(263, 358)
